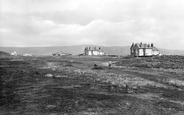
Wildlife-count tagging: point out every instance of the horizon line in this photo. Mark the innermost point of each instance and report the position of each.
(78, 45)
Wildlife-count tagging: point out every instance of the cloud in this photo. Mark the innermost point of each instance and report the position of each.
(28, 6)
(104, 22)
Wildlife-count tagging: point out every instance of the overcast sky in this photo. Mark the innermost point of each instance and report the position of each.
(99, 22)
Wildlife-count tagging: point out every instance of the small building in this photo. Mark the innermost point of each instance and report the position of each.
(27, 54)
(60, 54)
(140, 49)
(93, 51)
(14, 53)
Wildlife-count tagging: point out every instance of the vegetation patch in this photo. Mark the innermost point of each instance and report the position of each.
(45, 85)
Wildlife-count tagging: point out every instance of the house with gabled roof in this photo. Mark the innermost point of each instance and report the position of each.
(93, 51)
(140, 49)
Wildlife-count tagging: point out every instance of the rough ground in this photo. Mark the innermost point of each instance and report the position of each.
(71, 86)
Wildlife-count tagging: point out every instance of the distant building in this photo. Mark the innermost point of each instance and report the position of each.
(93, 51)
(60, 54)
(14, 53)
(140, 49)
(27, 54)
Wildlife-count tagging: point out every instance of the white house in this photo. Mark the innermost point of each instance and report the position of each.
(14, 53)
(93, 51)
(140, 49)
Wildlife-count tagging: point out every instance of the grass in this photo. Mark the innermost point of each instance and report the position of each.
(134, 86)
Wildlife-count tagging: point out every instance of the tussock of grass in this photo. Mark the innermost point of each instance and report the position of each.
(175, 82)
(97, 67)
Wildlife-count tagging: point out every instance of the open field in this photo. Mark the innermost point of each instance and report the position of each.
(71, 86)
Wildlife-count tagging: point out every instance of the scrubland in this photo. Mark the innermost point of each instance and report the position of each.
(70, 85)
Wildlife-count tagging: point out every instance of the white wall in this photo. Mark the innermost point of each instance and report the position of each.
(89, 53)
(155, 52)
(95, 52)
(101, 53)
(149, 52)
(141, 53)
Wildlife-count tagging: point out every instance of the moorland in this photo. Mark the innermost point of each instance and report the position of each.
(71, 85)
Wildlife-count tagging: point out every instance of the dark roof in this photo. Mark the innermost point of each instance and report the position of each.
(93, 49)
(100, 50)
(154, 49)
(144, 46)
(148, 46)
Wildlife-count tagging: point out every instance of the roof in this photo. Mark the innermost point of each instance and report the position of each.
(147, 46)
(144, 46)
(94, 49)
(154, 49)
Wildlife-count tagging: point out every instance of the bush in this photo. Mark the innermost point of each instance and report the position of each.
(97, 67)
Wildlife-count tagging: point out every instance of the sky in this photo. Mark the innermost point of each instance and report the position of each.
(33, 23)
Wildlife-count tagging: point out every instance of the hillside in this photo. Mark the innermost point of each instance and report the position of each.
(4, 55)
(78, 49)
(171, 52)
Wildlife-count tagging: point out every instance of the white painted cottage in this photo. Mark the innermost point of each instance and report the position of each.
(140, 49)
(93, 51)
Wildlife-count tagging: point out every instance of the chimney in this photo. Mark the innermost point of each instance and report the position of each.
(151, 44)
(141, 44)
